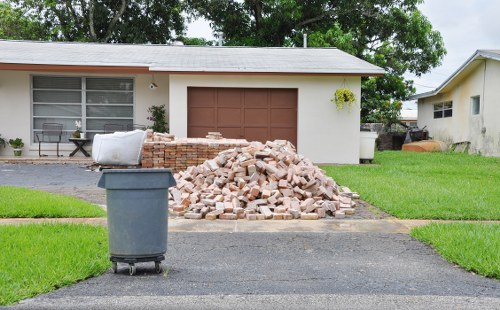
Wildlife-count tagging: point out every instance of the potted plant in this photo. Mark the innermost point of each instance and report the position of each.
(77, 132)
(343, 96)
(17, 144)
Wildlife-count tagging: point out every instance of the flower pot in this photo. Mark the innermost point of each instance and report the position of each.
(18, 152)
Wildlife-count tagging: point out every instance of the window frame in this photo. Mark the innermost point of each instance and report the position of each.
(472, 104)
(83, 103)
(443, 109)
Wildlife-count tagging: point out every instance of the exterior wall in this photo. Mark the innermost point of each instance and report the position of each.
(324, 135)
(15, 110)
(15, 106)
(461, 126)
(489, 140)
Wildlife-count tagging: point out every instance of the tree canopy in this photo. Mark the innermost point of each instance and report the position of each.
(392, 34)
(14, 25)
(128, 21)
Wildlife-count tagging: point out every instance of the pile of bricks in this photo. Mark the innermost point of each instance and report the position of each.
(259, 182)
(165, 151)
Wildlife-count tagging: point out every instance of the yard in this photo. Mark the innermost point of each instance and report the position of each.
(39, 258)
(17, 202)
(444, 186)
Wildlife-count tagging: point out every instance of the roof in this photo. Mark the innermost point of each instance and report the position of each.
(185, 59)
(408, 115)
(463, 71)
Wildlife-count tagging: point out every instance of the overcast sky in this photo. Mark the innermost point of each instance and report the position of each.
(465, 25)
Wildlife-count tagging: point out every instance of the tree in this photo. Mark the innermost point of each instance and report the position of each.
(130, 21)
(14, 25)
(392, 34)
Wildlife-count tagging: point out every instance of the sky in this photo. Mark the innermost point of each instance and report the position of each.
(465, 25)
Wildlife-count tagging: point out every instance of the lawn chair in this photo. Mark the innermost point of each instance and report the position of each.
(132, 127)
(51, 133)
(112, 128)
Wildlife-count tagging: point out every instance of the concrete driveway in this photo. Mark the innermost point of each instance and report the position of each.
(274, 268)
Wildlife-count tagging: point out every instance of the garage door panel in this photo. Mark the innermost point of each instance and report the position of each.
(283, 98)
(283, 117)
(199, 131)
(229, 97)
(230, 132)
(201, 97)
(256, 98)
(228, 117)
(256, 134)
(201, 117)
(256, 117)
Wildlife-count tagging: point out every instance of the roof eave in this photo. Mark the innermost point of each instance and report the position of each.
(144, 68)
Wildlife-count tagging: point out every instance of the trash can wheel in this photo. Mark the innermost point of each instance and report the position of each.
(158, 267)
(131, 269)
(114, 267)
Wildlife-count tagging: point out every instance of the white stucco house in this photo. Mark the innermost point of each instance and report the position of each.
(252, 93)
(465, 108)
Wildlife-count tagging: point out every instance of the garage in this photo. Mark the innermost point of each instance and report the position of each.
(255, 114)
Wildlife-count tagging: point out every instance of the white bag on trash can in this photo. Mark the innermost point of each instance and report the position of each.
(119, 148)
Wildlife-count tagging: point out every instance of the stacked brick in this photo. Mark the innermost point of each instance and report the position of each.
(259, 182)
(165, 151)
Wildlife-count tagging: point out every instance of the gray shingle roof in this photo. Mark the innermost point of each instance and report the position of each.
(188, 58)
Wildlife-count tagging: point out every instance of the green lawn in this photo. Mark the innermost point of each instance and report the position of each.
(427, 185)
(22, 202)
(38, 258)
(474, 246)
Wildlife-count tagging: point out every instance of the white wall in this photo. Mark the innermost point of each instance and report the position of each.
(490, 111)
(15, 106)
(483, 130)
(325, 135)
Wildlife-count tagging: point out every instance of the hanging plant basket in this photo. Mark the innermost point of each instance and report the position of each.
(344, 96)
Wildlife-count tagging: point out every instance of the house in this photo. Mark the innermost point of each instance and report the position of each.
(243, 92)
(465, 108)
(408, 117)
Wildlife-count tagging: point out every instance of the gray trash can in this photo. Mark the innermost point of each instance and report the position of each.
(137, 204)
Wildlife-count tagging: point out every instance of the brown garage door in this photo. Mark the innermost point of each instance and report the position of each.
(256, 114)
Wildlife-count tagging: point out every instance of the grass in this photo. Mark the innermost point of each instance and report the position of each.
(474, 246)
(21, 202)
(38, 258)
(427, 185)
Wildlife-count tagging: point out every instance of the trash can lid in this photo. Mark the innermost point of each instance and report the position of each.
(136, 179)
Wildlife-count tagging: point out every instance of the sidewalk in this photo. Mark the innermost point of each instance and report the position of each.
(184, 225)
(389, 226)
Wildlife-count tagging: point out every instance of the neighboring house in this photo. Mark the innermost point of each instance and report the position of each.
(409, 117)
(252, 93)
(465, 108)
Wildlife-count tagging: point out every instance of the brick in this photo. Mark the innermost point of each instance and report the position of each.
(193, 216)
(309, 216)
(339, 214)
(277, 216)
(228, 216)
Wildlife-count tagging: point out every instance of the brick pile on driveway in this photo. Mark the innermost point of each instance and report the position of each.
(258, 182)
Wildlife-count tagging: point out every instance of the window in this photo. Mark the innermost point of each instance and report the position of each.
(444, 109)
(93, 100)
(475, 105)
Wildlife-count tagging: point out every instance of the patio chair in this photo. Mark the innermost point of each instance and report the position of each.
(132, 127)
(112, 128)
(51, 133)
